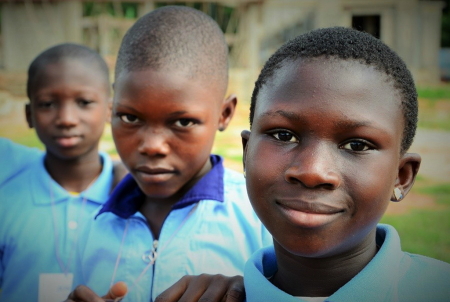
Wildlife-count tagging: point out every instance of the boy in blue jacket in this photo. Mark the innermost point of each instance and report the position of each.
(179, 212)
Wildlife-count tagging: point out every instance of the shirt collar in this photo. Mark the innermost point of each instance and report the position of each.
(374, 280)
(45, 185)
(127, 197)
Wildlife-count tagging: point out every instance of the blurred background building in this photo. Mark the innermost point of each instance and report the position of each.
(254, 28)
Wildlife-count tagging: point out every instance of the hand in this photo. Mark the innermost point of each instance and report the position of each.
(211, 288)
(84, 294)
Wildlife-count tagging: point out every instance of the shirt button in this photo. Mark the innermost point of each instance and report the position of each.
(73, 225)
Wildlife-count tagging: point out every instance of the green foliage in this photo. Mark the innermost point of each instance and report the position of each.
(128, 10)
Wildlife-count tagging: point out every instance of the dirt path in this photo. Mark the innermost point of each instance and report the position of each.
(434, 147)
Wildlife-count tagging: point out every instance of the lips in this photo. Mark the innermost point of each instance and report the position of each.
(67, 141)
(154, 174)
(309, 214)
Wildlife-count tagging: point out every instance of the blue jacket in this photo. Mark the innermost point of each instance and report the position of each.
(212, 229)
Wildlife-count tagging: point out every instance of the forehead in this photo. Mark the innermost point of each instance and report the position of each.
(325, 80)
(345, 91)
(70, 71)
(165, 84)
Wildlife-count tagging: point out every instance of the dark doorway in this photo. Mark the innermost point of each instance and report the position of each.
(368, 23)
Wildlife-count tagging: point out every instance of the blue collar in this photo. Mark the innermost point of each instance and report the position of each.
(127, 198)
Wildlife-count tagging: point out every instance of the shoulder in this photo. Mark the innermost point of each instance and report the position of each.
(426, 265)
(15, 158)
(234, 182)
(423, 278)
(235, 190)
(9, 149)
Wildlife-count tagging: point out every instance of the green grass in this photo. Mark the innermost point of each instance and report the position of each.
(440, 191)
(434, 114)
(434, 93)
(426, 232)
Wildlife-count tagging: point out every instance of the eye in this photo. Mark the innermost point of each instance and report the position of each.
(128, 118)
(45, 104)
(356, 146)
(285, 136)
(184, 123)
(84, 103)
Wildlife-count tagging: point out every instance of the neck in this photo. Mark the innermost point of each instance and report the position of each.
(155, 210)
(321, 277)
(74, 175)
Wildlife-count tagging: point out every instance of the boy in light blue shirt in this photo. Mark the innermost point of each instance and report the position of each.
(332, 116)
(45, 203)
(180, 212)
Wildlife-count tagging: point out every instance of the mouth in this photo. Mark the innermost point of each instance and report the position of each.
(68, 141)
(309, 214)
(153, 174)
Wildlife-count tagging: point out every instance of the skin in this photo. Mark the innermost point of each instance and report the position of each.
(69, 106)
(329, 133)
(164, 123)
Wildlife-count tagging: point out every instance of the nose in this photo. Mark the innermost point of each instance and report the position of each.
(314, 166)
(153, 142)
(67, 116)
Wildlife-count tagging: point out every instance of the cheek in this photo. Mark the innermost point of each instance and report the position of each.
(262, 172)
(122, 140)
(370, 187)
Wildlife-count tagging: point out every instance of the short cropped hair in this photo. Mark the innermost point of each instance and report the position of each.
(61, 52)
(349, 44)
(176, 37)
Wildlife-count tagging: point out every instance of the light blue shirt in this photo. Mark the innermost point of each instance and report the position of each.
(212, 229)
(392, 275)
(27, 236)
(14, 158)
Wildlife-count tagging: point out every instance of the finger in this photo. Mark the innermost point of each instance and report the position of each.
(210, 288)
(174, 292)
(236, 291)
(117, 291)
(83, 294)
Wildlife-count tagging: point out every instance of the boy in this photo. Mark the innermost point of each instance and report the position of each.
(45, 204)
(333, 114)
(179, 212)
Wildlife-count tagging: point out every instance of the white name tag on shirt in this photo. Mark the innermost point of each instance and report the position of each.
(54, 287)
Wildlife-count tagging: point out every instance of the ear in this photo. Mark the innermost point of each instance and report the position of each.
(407, 172)
(227, 111)
(28, 115)
(245, 134)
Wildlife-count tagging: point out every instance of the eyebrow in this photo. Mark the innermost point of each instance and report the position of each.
(289, 115)
(352, 124)
(176, 113)
(343, 124)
